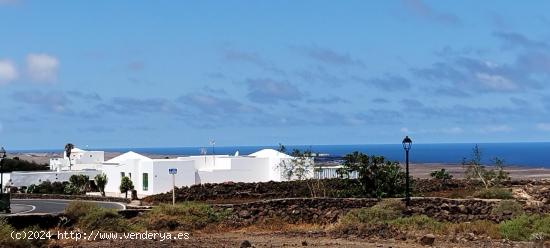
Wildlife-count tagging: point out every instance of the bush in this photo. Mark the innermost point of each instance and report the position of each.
(186, 216)
(377, 176)
(88, 216)
(47, 187)
(79, 183)
(382, 212)
(103, 219)
(441, 175)
(494, 193)
(524, 227)
(368, 216)
(31, 188)
(77, 209)
(477, 227)
(58, 187)
(393, 204)
(508, 207)
(6, 239)
(418, 222)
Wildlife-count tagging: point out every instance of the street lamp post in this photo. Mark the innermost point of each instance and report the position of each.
(4, 198)
(407, 143)
(2, 156)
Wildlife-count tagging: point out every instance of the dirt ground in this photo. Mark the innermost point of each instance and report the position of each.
(281, 239)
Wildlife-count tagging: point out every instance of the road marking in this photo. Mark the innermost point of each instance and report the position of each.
(122, 206)
(24, 212)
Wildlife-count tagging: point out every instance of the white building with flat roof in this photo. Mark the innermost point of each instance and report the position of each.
(79, 159)
(150, 176)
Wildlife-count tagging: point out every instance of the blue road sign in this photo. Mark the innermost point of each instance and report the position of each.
(173, 171)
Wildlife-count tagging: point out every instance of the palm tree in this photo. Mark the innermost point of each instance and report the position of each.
(68, 149)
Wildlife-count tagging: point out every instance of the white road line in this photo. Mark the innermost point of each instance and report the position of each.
(24, 212)
(48, 201)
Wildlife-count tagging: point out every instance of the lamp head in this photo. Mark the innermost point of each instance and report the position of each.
(407, 143)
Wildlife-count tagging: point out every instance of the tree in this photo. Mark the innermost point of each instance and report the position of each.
(441, 175)
(101, 181)
(282, 148)
(79, 183)
(126, 185)
(68, 149)
(300, 167)
(475, 169)
(377, 177)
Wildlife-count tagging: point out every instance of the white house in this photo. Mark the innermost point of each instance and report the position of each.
(79, 159)
(150, 176)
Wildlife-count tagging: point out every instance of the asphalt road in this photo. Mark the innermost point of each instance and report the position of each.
(26, 206)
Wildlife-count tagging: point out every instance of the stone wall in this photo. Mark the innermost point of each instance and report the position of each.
(455, 210)
(294, 210)
(328, 210)
(338, 188)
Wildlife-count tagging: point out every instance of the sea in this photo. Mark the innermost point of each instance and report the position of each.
(531, 154)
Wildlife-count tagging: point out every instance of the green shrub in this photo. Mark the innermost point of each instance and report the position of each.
(524, 227)
(517, 229)
(368, 216)
(103, 219)
(88, 216)
(418, 222)
(31, 188)
(494, 193)
(441, 175)
(6, 239)
(393, 204)
(186, 216)
(508, 206)
(77, 209)
(542, 225)
(377, 176)
(478, 227)
(382, 212)
(79, 183)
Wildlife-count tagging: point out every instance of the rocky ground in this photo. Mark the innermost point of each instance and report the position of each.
(293, 239)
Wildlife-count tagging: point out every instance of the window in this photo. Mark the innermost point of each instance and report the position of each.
(145, 181)
(130, 175)
(122, 174)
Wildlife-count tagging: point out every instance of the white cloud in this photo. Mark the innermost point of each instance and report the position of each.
(8, 72)
(404, 130)
(496, 128)
(496, 82)
(544, 126)
(42, 67)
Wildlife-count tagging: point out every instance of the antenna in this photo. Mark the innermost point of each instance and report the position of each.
(213, 144)
(204, 151)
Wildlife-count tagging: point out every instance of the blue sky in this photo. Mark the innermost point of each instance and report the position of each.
(178, 73)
